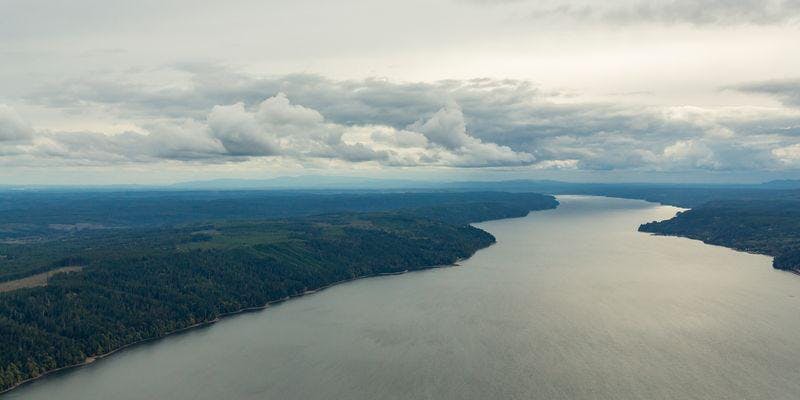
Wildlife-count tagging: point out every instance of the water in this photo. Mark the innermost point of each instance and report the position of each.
(571, 303)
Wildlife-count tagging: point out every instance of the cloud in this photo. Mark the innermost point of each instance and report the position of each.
(274, 127)
(789, 155)
(279, 111)
(218, 115)
(446, 128)
(691, 153)
(12, 127)
(238, 132)
(401, 138)
(187, 140)
(787, 91)
(668, 12)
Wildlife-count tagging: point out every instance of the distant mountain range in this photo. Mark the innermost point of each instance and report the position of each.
(304, 182)
(782, 184)
(360, 183)
(326, 183)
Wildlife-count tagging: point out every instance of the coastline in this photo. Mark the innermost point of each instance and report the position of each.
(92, 359)
(705, 240)
(739, 250)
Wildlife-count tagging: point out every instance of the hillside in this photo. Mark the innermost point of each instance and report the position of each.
(769, 227)
(144, 283)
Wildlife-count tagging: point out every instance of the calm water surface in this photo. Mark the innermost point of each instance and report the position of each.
(571, 303)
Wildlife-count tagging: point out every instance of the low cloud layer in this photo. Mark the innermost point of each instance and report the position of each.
(274, 127)
(216, 115)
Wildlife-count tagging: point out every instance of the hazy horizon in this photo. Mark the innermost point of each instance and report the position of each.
(352, 182)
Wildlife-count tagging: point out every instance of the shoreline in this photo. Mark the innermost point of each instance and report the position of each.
(738, 250)
(702, 240)
(92, 359)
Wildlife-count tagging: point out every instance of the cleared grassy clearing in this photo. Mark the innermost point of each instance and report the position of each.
(34, 280)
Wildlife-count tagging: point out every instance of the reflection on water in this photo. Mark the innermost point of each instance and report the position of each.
(571, 303)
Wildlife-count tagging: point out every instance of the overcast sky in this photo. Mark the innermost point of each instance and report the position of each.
(103, 91)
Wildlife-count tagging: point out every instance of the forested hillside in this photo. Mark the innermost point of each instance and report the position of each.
(43, 214)
(143, 283)
(766, 226)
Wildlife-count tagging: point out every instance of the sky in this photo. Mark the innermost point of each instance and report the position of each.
(155, 92)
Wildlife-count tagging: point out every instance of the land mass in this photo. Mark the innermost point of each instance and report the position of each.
(761, 218)
(124, 267)
(142, 281)
(765, 226)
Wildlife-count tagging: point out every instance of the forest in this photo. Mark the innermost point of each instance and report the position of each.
(148, 263)
(146, 278)
(31, 215)
(767, 226)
